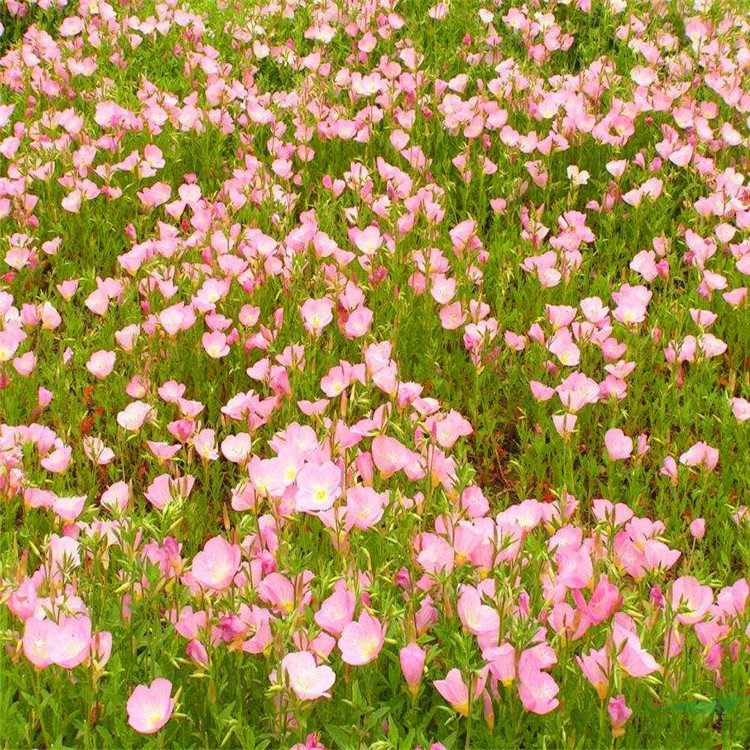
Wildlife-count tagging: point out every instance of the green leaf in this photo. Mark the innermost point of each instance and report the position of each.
(341, 737)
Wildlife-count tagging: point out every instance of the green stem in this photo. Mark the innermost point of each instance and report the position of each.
(39, 707)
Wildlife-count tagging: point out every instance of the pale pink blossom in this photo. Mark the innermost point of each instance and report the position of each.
(150, 706)
(412, 659)
(215, 566)
(308, 680)
(361, 640)
(101, 364)
(619, 445)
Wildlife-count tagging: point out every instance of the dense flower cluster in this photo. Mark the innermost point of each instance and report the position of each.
(374, 374)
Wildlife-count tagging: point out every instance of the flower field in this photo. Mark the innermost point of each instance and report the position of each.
(374, 374)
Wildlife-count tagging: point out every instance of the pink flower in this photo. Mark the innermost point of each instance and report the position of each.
(38, 641)
(605, 601)
(576, 391)
(126, 337)
(66, 643)
(733, 599)
(259, 620)
(278, 591)
(619, 445)
(698, 528)
(631, 656)
(59, 459)
(101, 364)
(149, 707)
(362, 640)
(101, 648)
(164, 489)
(632, 302)
(711, 346)
(215, 344)
(537, 691)
(616, 167)
(479, 619)
(318, 486)
(594, 310)
(412, 659)
(455, 691)
(154, 195)
(619, 713)
(316, 314)
(358, 323)
(564, 423)
(197, 653)
(236, 448)
(308, 681)
(176, 318)
(449, 429)
(669, 469)
(10, 340)
(337, 611)
(540, 391)
(133, 416)
(435, 554)
(68, 508)
(116, 497)
(204, 443)
(502, 662)
(216, 565)
(564, 348)
(364, 506)
(68, 288)
(389, 455)
(44, 397)
(541, 656)
(452, 316)
(596, 669)
(97, 451)
(644, 263)
(740, 409)
(366, 240)
(701, 454)
(25, 364)
(615, 514)
(690, 600)
(72, 642)
(311, 743)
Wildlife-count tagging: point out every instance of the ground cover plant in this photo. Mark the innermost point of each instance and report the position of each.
(374, 373)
